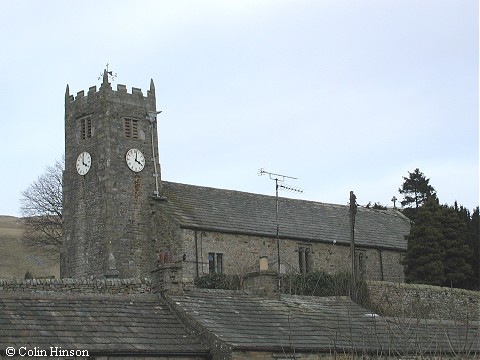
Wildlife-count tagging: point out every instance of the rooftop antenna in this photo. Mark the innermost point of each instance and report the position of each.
(279, 184)
(110, 74)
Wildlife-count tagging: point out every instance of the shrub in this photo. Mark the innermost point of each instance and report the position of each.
(218, 281)
(320, 283)
(317, 283)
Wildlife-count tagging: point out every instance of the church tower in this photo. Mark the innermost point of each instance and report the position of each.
(111, 180)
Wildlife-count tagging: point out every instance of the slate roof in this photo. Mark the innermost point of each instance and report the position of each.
(107, 324)
(232, 211)
(318, 324)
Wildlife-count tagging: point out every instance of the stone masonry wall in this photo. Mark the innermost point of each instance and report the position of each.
(81, 286)
(424, 301)
(241, 254)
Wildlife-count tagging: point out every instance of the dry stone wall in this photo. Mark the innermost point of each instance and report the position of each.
(424, 301)
(81, 286)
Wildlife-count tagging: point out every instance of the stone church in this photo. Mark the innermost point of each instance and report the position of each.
(134, 244)
(121, 219)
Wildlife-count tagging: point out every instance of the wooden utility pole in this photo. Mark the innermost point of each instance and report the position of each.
(353, 211)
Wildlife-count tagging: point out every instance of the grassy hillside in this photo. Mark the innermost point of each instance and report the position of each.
(16, 258)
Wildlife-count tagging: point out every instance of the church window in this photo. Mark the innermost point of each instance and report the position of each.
(219, 263)
(304, 259)
(215, 263)
(131, 128)
(86, 127)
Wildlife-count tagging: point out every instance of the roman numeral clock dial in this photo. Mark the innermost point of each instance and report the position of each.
(135, 160)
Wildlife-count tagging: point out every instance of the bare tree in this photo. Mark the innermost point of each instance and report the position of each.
(41, 207)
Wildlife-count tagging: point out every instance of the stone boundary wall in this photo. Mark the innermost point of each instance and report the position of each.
(81, 286)
(424, 301)
(388, 298)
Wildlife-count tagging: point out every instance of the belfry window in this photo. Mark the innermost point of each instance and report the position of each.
(304, 259)
(131, 128)
(215, 263)
(86, 127)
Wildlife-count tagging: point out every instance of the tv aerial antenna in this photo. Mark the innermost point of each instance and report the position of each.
(279, 184)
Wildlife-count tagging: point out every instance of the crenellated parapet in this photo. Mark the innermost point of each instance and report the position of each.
(105, 90)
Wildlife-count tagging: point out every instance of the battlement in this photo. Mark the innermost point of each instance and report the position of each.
(106, 88)
(121, 90)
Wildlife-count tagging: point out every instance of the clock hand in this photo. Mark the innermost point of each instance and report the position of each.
(83, 159)
(136, 160)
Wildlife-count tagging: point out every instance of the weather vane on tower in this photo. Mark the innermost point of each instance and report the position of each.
(110, 74)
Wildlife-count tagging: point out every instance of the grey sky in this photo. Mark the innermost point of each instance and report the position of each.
(344, 95)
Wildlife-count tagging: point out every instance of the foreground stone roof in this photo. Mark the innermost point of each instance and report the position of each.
(200, 322)
(221, 210)
(106, 324)
(243, 321)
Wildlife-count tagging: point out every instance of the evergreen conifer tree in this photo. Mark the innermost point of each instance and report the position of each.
(473, 241)
(438, 253)
(416, 189)
(424, 259)
(457, 254)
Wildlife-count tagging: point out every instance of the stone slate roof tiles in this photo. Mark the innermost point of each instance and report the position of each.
(318, 324)
(222, 210)
(98, 323)
(148, 325)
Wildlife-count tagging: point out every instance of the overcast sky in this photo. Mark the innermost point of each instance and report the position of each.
(343, 95)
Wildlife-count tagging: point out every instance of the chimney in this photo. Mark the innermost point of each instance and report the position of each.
(168, 276)
(263, 282)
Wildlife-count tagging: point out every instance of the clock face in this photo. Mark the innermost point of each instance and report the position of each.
(135, 160)
(84, 162)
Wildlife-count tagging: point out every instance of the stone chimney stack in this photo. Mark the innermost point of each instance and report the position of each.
(168, 276)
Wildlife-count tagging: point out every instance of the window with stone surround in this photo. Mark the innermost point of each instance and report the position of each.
(215, 263)
(86, 127)
(131, 128)
(304, 258)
